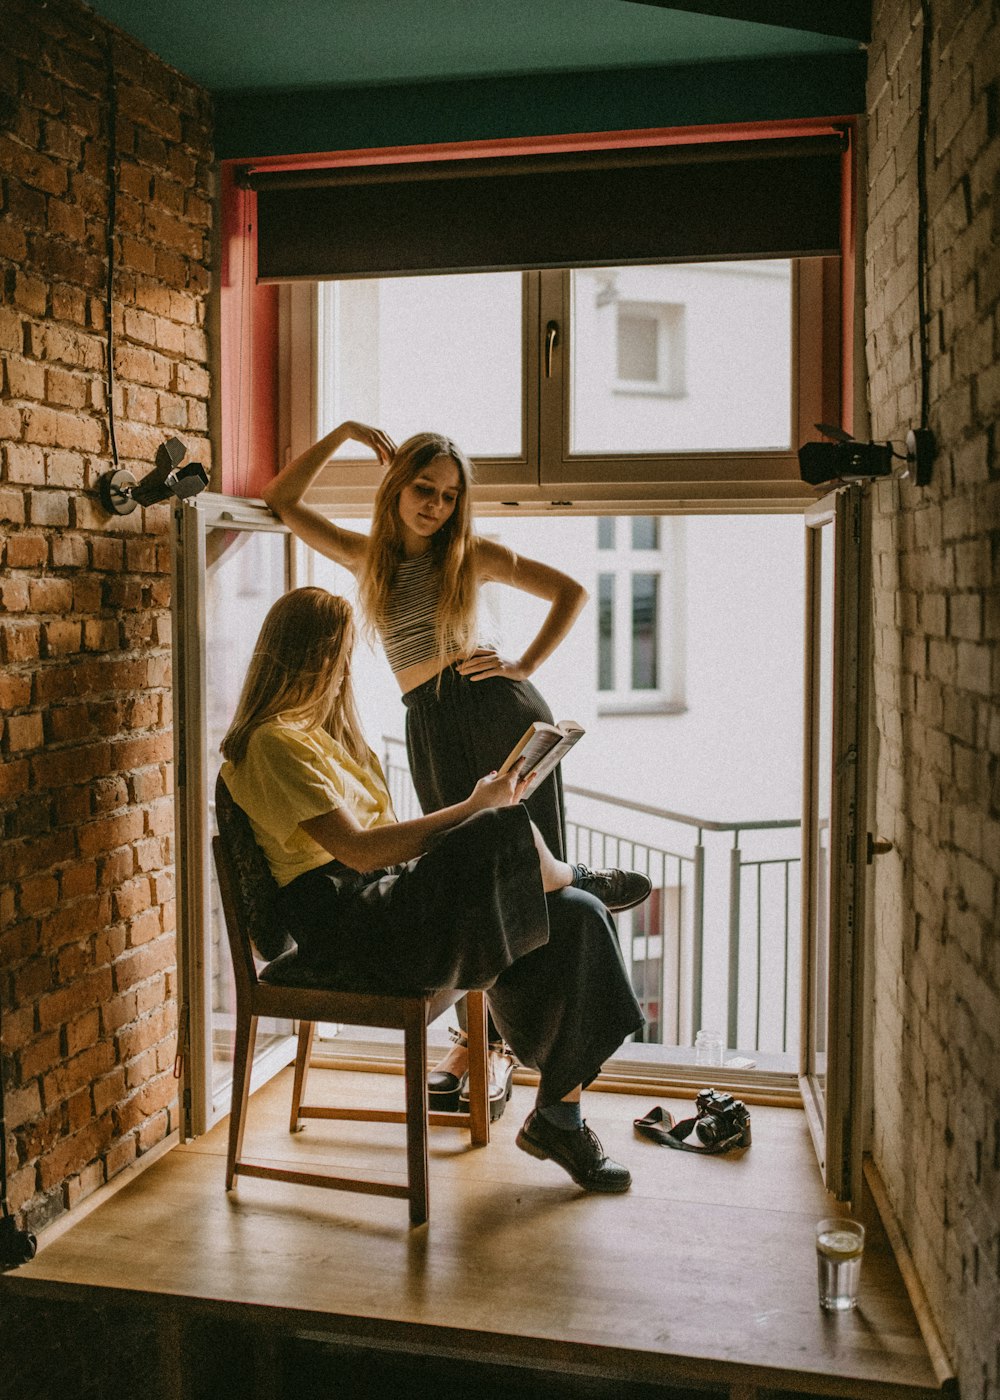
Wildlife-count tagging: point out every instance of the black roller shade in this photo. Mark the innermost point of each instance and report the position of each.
(777, 198)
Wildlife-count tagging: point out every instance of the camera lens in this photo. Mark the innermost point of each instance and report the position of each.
(708, 1130)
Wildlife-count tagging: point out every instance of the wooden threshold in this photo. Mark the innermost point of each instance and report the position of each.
(702, 1276)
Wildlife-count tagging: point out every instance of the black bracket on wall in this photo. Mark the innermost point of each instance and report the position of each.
(845, 459)
(120, 492)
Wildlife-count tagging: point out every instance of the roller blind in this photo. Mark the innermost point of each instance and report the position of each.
(740, 199)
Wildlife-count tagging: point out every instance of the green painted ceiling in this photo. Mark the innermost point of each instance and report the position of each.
(234, 45)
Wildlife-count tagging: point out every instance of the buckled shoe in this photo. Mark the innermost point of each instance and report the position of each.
(499, 1082)
(616, 889)
(443, 1085)
(580, 1153)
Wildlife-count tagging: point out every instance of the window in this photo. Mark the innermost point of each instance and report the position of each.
(694, 357)
(645, 631)
(674, 382)
(649, 349)
(605, 632)
(420, 352)
(640, 614)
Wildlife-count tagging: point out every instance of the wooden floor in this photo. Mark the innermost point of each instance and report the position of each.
(704, 1274)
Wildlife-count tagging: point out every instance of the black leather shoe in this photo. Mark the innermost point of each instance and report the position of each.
(616, 889)
(499, 1084)
(580, 1153)
(443, 1087)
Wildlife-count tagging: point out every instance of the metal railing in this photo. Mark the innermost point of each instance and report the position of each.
(719, 939)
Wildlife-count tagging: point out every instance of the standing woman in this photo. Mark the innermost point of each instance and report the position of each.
(419, 572)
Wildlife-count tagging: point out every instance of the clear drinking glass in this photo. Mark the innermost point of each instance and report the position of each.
(839, 1246)
(708, 1048)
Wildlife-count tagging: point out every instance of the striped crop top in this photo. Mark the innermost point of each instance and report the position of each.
(406, 624)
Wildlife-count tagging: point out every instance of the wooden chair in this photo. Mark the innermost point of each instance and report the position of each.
(285, 990)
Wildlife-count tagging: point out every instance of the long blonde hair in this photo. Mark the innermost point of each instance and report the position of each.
(301, 667)
(455, 624)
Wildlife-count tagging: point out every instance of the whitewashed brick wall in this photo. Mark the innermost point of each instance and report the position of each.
(937, 666)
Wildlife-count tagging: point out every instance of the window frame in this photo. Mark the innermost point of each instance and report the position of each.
(701, 474)
(204, 1094)
(547, 475)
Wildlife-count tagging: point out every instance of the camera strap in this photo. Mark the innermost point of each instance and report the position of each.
(658, 1125)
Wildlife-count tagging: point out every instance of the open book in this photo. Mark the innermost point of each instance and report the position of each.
(541, 747)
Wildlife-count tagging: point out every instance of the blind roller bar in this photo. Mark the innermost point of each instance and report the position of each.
(752, 199)
(408, 172)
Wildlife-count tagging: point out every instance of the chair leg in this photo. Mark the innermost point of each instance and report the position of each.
(307, 1029)
(246, 1036)
(479, 1109)
(415, 1062)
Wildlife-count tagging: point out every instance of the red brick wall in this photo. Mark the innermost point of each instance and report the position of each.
(937, 674)
(87, 951)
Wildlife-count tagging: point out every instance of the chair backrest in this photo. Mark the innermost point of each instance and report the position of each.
(244, 967)
(249, 890)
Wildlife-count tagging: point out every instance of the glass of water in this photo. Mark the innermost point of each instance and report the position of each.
(839, 1245)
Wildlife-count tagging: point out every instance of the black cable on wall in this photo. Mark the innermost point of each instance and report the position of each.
(109, 288)
(923, 118)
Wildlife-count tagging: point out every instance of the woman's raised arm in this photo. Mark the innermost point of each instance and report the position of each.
(284, 494)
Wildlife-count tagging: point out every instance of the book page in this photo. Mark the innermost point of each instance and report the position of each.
(548, 759)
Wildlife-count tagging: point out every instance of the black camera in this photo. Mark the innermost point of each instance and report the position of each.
(721, 1118)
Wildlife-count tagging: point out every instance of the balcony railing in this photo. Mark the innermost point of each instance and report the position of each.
(718, 943)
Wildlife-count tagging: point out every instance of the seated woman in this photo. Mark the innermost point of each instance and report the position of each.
(465, 897)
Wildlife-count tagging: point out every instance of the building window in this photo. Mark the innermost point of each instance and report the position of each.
(645, 531)
(605, 632)
(649, 346)
(645, 631)
(641, 614)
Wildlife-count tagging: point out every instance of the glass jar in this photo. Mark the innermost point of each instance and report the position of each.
(708, 1048)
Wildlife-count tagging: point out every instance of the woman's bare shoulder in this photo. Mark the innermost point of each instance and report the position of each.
(492, 560)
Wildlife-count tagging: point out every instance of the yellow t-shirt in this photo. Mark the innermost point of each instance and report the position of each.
(290, 774)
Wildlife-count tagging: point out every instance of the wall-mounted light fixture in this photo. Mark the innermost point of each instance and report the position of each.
(121, 493)
(844, 459)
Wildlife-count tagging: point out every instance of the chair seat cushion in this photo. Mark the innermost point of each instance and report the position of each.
(291, 969)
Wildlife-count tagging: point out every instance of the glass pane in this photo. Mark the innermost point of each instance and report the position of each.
(606, 532)
(605, 632)
(819, 972)
(694, 357)
(245, 573)
(637, 348)
(645, 615)
(426, 354)
(645, 532)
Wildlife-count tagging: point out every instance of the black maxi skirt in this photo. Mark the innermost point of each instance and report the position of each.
(472, 913)
(463, 729)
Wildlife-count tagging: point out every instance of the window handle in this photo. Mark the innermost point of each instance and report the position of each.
(551, 341)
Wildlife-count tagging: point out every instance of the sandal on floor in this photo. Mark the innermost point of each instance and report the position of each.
(500, 1084)
(443, 1087)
